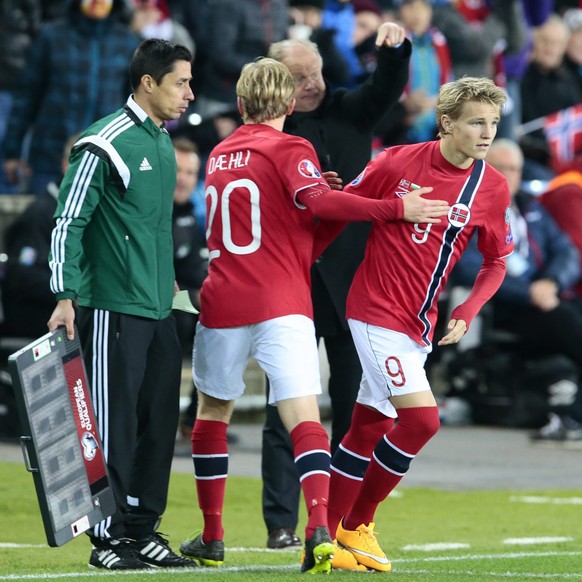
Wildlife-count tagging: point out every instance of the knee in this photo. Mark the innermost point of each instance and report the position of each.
(423, 422)
(430, 423)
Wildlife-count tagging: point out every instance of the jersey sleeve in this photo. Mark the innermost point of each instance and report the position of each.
(369, 183)
(495, 239)
(299, 168)
(79, 196)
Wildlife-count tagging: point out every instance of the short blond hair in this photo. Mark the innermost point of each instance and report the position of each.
(266, 89)
(453, 95)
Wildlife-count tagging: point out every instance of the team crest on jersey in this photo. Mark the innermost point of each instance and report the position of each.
(404, 187)
(507, 215)
(358, 178)
(459, 215)
(307, 168)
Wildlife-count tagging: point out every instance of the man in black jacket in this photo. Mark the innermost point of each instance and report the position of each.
(340, 126)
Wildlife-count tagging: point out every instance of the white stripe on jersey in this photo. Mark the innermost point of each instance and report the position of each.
(76, 196)
(431, 292)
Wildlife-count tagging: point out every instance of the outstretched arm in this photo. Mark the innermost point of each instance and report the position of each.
(412, 208)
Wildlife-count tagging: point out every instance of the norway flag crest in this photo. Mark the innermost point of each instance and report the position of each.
(308, 169)
(459, 215)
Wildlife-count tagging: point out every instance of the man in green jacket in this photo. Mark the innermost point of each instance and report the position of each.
(112, 259)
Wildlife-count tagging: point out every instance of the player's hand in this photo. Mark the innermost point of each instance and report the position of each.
(457, 329)
(390, 34)
(333, 180)
(64, 314)
(422, 210)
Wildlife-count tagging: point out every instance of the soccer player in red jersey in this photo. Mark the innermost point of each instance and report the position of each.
(392, 304)
(263, 190)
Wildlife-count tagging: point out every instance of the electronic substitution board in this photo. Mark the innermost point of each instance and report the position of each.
(60, 441)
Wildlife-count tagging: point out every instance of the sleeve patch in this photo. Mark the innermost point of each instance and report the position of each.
(308, 169)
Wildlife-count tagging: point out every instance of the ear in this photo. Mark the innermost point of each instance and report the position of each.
(147, 83)
(291, 106)
(446, 123)
(240, 106)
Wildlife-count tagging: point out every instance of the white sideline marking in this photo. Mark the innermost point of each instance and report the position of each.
(541, 540)
(433, 547)
(495, 575)
(554, 500)
(509, 556)
(294, 567)
(17, 546)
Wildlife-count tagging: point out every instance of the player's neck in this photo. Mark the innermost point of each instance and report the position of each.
(274, 123)
(454, 156)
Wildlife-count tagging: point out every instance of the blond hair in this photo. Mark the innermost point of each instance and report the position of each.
(453, 96)
(266, 89)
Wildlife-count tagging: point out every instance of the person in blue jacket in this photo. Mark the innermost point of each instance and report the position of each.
(535, 301)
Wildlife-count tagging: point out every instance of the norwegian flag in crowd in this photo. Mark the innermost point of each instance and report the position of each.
(563, 131)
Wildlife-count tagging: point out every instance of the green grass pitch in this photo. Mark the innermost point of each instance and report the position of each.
(430, 535)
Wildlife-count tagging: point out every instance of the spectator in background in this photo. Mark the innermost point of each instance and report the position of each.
(338, 15)
(413, 119)
(536, 12)
(356, 23)
(550, 86)
(190, 258)
(477, 35)
(306, 24)
(534, 301)
(367, 20)
(76, 72)
(340, 125)
(573, 56)
(237, 32)
(19, 22)
(27, 299)
(152, 19)
(190, 254)
(195, 16)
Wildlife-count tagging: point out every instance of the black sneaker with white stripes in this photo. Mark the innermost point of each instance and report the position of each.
(113, 554)
(155, 550)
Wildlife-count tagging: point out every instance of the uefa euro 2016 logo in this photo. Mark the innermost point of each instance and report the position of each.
(90, 446)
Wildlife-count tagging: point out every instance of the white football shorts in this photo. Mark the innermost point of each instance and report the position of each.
(392, 365)
(284, 347)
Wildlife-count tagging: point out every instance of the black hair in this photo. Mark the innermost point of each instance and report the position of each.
(156, 57)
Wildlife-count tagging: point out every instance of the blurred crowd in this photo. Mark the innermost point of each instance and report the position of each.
(64, 64)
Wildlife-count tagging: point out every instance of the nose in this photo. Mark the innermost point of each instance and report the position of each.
(489, 130)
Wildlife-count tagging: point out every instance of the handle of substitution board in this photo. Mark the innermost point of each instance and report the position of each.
(23, 441)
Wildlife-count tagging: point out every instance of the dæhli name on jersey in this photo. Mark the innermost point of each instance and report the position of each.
(228, 162)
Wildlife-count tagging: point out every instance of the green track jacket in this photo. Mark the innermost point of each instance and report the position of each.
(111, 247)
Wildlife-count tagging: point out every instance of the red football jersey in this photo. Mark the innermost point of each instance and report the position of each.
(407, 265)
(260, 239)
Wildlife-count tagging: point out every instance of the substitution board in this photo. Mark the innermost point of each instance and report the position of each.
(60, 440)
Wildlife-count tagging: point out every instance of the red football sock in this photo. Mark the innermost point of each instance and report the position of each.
(312, 457)
(210, 456)
(391, 460)
(351, 459)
